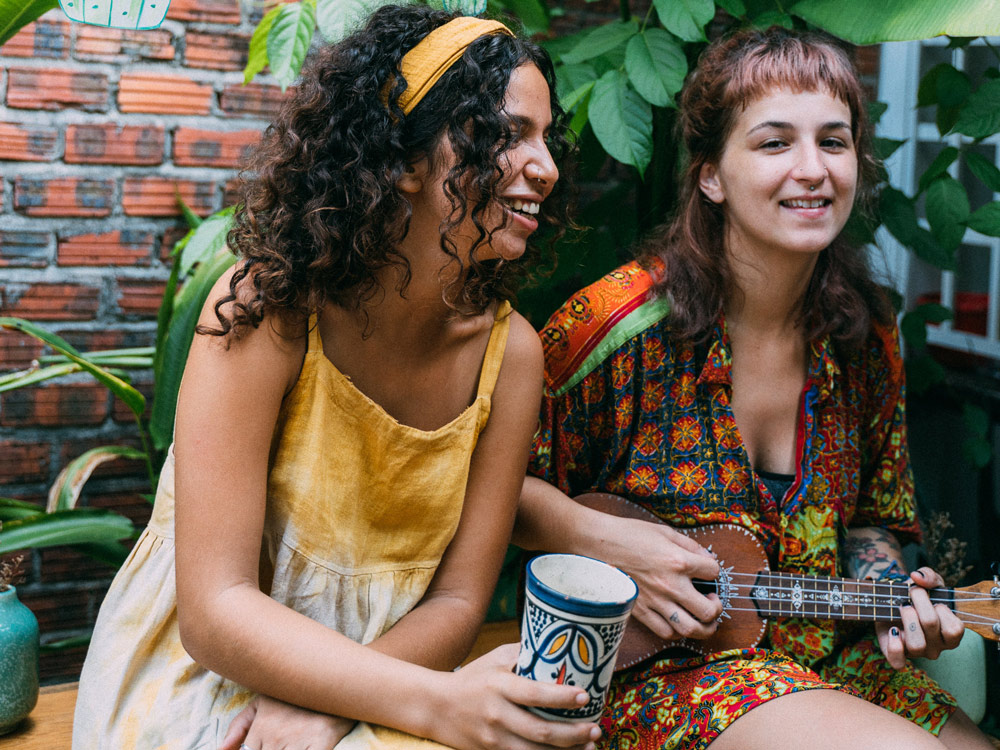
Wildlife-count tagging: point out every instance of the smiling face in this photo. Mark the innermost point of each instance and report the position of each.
(787, 176)
(529, 175)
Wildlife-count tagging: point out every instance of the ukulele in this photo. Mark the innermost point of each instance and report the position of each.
(751, 592)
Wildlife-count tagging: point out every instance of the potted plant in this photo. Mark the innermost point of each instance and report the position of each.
(18, 650)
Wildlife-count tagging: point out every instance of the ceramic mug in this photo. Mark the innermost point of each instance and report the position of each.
(117, 14)
(575, 612)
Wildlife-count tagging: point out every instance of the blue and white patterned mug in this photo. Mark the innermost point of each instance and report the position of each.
(575, 612)
(117, 14)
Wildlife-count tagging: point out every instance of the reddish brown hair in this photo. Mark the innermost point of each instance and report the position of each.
(842, 299)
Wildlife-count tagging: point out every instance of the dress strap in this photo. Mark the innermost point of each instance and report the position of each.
(495, 350)
(315, 342)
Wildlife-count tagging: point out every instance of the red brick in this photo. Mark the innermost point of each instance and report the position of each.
(119, 248)
(212, 148)
(205, 11)
(157, 196)
(45, 301)
(55, 88)
(23, 142)
(24, 249)
(252, 100)
(23, 462)
(867, 59)
(164, 94)
(62, 564)
(96, 43)
(65, 196)
(138, 297)
(129, 504)
(61, 609)
(216, 51)
(43, 38)
(53, 405)
(62, 665)
(17, 350)
(111, 144)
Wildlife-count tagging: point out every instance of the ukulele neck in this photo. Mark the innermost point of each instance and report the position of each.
(831, 598)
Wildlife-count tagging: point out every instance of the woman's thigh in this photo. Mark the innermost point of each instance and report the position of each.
(823, 720)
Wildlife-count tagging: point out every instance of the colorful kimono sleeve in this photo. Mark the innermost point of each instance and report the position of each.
(886, 497)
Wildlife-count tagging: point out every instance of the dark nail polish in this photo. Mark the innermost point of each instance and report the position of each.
(918, 573)
(894, 631)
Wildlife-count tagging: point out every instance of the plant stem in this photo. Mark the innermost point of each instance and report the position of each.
(147, 454)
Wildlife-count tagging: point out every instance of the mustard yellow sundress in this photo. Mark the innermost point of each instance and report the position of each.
(360, 509)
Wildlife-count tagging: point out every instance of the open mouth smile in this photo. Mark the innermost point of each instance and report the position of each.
(810, 203)
(523, 207)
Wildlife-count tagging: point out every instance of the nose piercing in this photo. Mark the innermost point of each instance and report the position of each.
(812, 187)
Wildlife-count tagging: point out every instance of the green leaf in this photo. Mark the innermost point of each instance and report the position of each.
(876, 110)
(897, 213)
(129, 395)
(945, 118)
(980, 115)
(922, 373)
(735, 8)
(976, 419)
(573, 82)
(257, 57)
(16, 14)
(656, 65)
(192, 219)
(65, 491)
(886, 147)
(937, 167)
(24, 378)
(338, 18)
(686, 19)
(65, 643)
(978, 451)
(914, 323)
(865, 22)
(622, 120)
(533, 14)
(947, 208)
(983, 169)
(953, 86)
(601, 40)
(986, 220)
(12, 510)
(773, 18)
(207, 240)
(177, 343)
(78, 526)
(289, 38)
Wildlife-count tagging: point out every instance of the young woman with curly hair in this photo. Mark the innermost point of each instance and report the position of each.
(747, 371)
(354, 422)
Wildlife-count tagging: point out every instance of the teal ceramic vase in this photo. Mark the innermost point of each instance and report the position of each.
(18, 660)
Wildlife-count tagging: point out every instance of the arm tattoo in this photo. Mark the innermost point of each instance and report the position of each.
(869, 552)
(675, 618)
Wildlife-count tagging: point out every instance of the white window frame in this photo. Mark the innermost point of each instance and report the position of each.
(899, 74)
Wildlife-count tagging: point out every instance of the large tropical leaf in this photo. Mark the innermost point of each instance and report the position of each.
(289, 38)
(65, 491)
(132, 398)
(12, 510)
(601, 40)
(22, 378)
(622, 120)
(173, 351)
(865, 22)
(79, 526)
(207, 240)
(15, 14)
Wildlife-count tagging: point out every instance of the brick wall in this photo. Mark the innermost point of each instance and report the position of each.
(99, 130)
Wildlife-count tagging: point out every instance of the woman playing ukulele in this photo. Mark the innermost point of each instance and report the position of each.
(746, 370)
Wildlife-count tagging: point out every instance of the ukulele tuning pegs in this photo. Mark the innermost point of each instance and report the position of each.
(995, 591)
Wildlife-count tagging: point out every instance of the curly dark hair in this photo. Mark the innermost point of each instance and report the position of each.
(842, 299)
(320, 213)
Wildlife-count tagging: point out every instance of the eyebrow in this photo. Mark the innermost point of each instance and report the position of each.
(524, 121)
(778, 125)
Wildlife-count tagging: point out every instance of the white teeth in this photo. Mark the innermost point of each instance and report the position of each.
(528, 207)
(817, 203)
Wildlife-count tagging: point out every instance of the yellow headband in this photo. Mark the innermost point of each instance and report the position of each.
(423, 65)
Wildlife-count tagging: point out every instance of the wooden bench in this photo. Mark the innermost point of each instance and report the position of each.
(50, 724)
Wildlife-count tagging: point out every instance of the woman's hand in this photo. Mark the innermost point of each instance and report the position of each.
(664, 564)
(927, 628)
(268, 723)
(484, 709)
